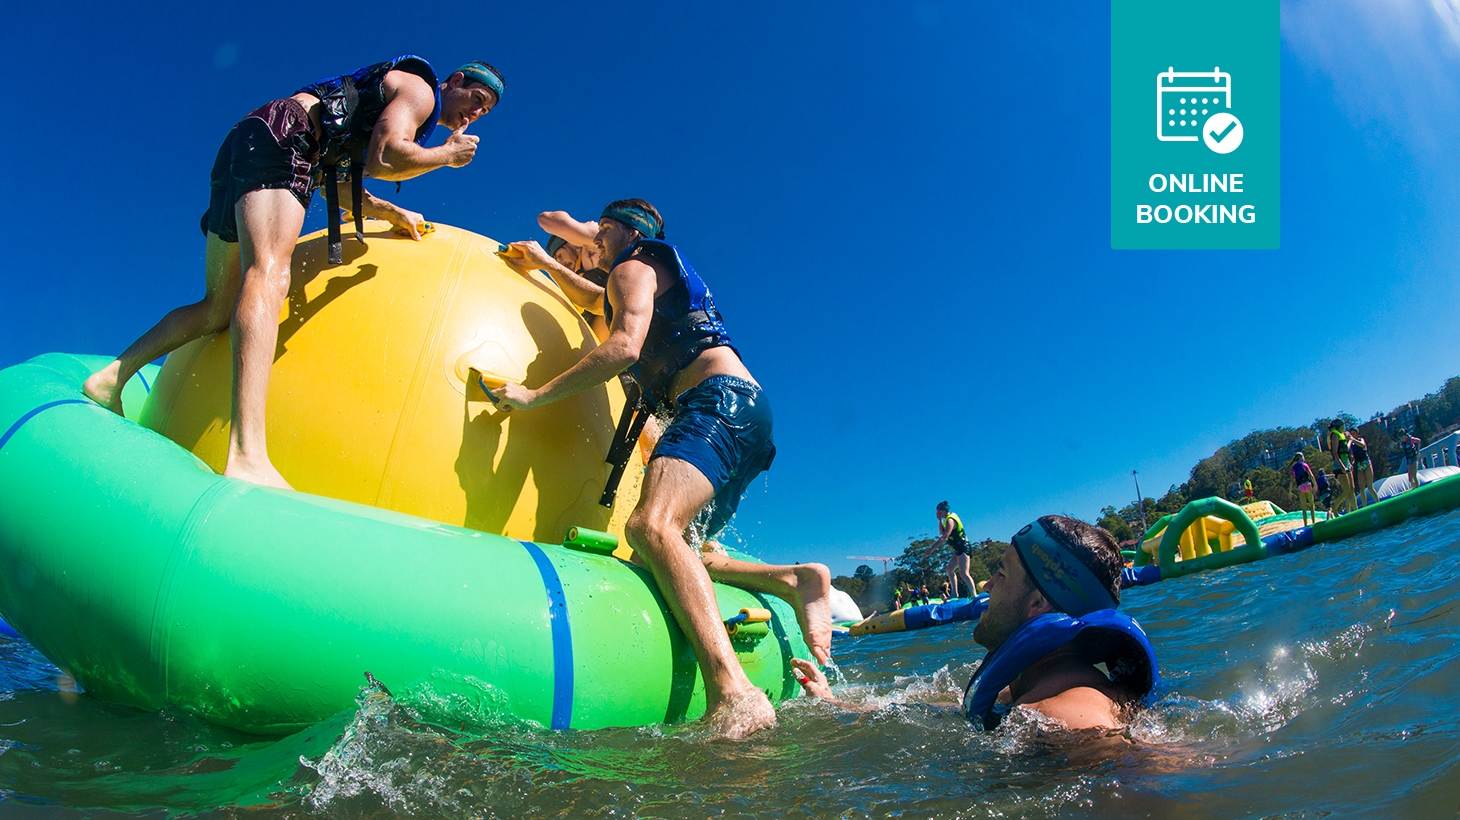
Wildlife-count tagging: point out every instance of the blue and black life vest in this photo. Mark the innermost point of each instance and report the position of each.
(685, 324)
(350, 105)
(1104, 636)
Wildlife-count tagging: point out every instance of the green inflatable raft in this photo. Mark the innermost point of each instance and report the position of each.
(154, 581)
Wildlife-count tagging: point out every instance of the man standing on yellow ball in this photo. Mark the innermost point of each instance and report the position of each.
(374, 122)
(665, 331)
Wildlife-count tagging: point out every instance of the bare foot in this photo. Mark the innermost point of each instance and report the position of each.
(263, 474)
(102, 387)
(812, 595)
(741, 715)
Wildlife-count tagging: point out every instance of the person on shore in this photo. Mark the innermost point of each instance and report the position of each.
(1246, 491)
(1363, 469)
(950, 532)
(946, 591)
(1342, 465)
(1409, 448)
(1050, 627)
(1303, 479)
(665, 330)
(374, 122)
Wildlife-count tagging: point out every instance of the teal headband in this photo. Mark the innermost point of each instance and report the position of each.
(554, 243)
(479, 72)
(636, 218)
(1062, 578)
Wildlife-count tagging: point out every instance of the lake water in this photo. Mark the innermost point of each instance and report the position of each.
(1326, 682)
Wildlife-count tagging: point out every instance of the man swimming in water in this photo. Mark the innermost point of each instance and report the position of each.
(950, 532)
(375, 121)
(1051, 620)
(666, 332)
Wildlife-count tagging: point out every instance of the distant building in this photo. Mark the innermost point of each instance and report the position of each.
(1279, 458)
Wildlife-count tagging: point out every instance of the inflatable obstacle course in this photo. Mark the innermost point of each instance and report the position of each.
(924, 616)
(130, 563)
(1210, 533)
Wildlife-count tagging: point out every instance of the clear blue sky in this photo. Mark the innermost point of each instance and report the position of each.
(903, 210)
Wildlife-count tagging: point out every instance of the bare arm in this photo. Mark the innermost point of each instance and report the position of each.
(529, 256)
(944, 530)
(393, 154)
(575, 233)
(631, 286)
(405, 222)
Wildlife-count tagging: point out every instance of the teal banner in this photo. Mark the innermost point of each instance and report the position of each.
(1194, 124)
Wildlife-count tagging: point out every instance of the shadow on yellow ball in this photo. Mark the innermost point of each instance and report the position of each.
(376, 392)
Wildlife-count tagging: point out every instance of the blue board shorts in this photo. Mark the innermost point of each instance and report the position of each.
(722, 426)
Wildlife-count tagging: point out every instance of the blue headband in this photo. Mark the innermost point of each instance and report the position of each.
(1062, 578)
(636, 218)
(554, 243)
(479, 72)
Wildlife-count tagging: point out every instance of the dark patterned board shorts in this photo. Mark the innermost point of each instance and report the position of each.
(271, 148)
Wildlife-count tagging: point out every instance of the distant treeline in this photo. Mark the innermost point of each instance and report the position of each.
(1212, 476)
(874, 592)
(1224, 469)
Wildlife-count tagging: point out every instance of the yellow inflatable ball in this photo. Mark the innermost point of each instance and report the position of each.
(376, 393)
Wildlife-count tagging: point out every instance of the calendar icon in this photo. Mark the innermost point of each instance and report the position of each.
(1186, 99)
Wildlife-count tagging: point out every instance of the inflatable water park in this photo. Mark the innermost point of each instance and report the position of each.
(1212, 533)
(428, 531)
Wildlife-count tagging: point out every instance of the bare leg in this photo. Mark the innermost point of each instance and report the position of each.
(960, 566)
(806, 587)
(674, 492)
(177, 328)
(950, 571)
(268, 226)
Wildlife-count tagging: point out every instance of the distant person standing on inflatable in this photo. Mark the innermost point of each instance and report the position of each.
(1409, 446)
(666, 332)
(950, 532)
(1306, 484)
(1342, 465)
(374, 122)
(1363, 468)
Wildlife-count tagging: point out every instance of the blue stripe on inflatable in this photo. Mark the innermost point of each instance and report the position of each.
(562, 637)
(145, 385)
(20, 422)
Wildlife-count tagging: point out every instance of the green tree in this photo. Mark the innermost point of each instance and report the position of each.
(917, 566)
(1112, 522)
(863, 573)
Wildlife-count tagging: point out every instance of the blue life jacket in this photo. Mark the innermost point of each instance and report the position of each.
(685, 324)
(351, 104)
(1104, 636)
